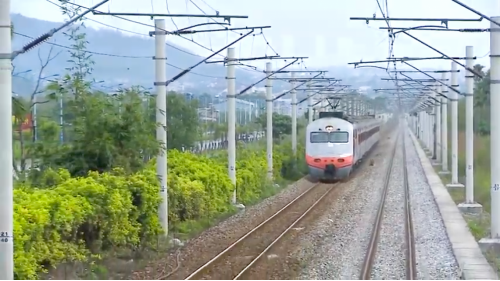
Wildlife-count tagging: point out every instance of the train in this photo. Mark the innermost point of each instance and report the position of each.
(335, 145)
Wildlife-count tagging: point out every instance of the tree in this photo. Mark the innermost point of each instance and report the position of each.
(21, 109)
(103, 131)
(482, 101)
(379, 104)
(183, 126)
(479, 69)
(282, 124)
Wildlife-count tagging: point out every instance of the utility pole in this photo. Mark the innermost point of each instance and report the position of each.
(444, 129)
(231, 124)
(495, 128)
(469, 127)
(421, 122)
(61, 118)
(433, 126)
(309, 103)
(437, 122)
(469, 205)
(351, 105)
(269, 133)
(161, 118)
(6, 172)
(454, 129)
(427, 130)
(34, 120)
(294, 116)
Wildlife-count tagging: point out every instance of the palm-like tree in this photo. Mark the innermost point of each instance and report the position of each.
(479, 69)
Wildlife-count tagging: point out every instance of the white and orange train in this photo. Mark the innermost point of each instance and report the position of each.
(334, 146)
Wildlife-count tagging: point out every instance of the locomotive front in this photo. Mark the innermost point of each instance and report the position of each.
(329, 149)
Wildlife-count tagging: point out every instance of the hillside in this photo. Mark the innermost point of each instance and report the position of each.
(115, 70)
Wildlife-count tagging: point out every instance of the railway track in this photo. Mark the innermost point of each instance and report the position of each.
(238, 258)
(371, 254)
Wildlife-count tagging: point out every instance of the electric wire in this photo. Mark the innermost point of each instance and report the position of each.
(115, 55)
(247, 68)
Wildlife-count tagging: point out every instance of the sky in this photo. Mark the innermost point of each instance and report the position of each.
(318, 29)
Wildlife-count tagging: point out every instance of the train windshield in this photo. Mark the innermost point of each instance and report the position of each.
(332, 137)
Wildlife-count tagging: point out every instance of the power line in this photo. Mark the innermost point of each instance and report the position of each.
(91, 52)
(198, 7)
(115, 55)
(152, 26)
(172, 19)
(125, 30)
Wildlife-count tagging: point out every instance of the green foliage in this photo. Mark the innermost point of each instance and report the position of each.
(282, 124)
(96, 190)
(66, 218)
(69, 219)
(182, 120)
(482, 101)
(105, 132)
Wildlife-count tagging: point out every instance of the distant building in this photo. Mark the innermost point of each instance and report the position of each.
(208, 114)
(240, 105)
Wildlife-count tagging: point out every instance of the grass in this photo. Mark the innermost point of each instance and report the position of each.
(479, 224)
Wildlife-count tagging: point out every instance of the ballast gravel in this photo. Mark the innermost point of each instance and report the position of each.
(434, 254)
(334, 247)
(390, 258)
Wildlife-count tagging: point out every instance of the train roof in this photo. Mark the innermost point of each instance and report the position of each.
(360, 119)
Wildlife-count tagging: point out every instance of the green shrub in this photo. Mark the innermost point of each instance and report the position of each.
(66, 219)
(74, 217)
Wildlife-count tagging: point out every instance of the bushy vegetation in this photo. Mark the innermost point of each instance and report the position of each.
(482, 166)
(90, 185)
(481, 139)
(65, 218)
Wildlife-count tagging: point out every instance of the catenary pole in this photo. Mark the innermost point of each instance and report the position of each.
(309, 104)
(422, 126)
(438, 122)
(269, 133)
(161, 118)
(444, 129)
(454, 129)
(495, 127)
(61, 118)
(431, 127)
(469, 129)
(231, 124)
(34, 118)
(294, 117)
(6, 171)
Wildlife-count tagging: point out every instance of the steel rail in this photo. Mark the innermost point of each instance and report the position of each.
(241, 239)
(366, 270)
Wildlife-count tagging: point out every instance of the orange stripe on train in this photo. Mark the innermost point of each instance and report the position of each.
(321, 162)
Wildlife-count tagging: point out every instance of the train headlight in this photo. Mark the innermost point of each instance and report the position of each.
(329, 128)
(340, 160)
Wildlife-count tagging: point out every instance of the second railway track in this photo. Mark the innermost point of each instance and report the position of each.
(236, 260)
(406, 254)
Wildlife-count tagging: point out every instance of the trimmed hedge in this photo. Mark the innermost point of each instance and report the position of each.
(69, 219)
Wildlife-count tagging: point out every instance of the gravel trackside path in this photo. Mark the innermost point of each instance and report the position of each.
(209, 243)
(434, 254)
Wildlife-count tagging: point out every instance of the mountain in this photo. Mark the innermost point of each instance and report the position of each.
(117, 68)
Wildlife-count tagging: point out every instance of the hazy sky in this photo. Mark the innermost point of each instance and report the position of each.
(319, 29)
